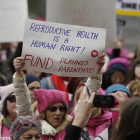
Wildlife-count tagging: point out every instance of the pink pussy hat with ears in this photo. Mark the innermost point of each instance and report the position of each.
(5, 91)
(46, 98)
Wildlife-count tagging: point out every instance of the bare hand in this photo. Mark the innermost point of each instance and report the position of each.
(18, 64)
(121, 98)
(101, 61)
(84, 109)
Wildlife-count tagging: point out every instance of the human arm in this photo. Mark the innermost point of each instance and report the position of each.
(85, 104)
(23, 100)
(121, 97)
(94, 82)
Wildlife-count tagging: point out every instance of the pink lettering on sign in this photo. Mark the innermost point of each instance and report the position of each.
(38, 62)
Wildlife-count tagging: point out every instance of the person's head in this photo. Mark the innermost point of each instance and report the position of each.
(117, 87)
(134, 72)
(26, 128)
(127, 126)
(33, 82)
(134, 88)
(52, 106)
(8, 100)
(114, 89)
(117, 70)
(36, 73)
(96, 111)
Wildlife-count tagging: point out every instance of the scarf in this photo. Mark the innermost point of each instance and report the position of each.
(96, 121)
(59, 84)
(6, 123)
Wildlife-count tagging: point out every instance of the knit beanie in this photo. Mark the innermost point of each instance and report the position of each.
(119, 64)
(46, 98)
(5, 91)
(31, 78)
(117, 87)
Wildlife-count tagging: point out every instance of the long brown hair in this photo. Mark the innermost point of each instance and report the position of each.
(128, 127)
(131, 73)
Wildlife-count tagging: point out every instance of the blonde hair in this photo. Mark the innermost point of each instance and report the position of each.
(97, 112)
(134, 86)
(78, 93)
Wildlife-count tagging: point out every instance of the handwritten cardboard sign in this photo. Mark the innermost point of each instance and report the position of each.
(12, 20)
(62, 49)
(91, 13)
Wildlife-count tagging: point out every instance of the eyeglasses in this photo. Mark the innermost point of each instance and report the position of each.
(11, 98)
(53, 109)
(32, 88)
(27, 123)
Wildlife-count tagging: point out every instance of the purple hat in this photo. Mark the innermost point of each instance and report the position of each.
(5, 91)
(119, 64)
(46, 98)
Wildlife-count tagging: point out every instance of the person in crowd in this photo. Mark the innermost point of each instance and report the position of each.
(115, 89)
(98, 121)
(100, 118)
(55, 82)
(116, 73)
(7, 68)
(118, 50)
(51, 104)
(134, 71)
(73, 131)
(54, 121)
(26, 128)
(33, 82)
(134, 88)
(129, 111)
(39, 74)
(8, 110)
(72, 86)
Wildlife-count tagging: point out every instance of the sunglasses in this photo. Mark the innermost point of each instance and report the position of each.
(27, 123)
(11, 98)
(61, 109)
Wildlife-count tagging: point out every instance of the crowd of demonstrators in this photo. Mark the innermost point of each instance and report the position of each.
(38, 106)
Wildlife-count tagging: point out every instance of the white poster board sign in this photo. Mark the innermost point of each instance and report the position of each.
(12, 20)
(91, 13)
(62, 49)
(128, 7)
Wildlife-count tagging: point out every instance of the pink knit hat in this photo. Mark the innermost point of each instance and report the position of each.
(5, 91)
(46, 98)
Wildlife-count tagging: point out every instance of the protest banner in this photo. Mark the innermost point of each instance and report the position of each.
(12, 19)
(62, 49)
(91, 13)
(128, 7)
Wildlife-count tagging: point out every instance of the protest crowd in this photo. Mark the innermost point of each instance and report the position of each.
(38, 105)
